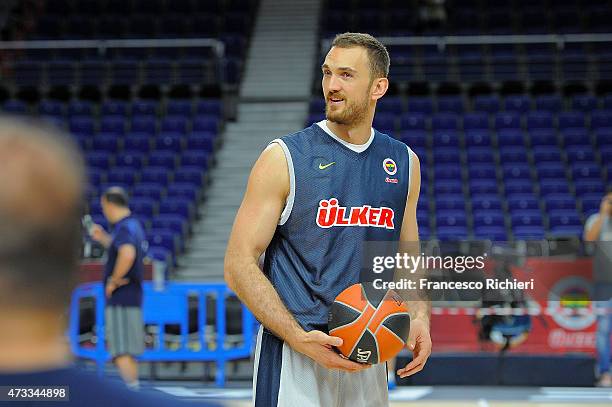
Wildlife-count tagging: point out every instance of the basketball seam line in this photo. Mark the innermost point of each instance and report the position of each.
(350, 306)
(366, 329)
(394, 334)
(349, 324)
(389, 316)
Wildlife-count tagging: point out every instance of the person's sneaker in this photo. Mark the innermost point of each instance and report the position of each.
(605, 380)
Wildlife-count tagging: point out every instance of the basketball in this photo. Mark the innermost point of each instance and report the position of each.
(374, 324)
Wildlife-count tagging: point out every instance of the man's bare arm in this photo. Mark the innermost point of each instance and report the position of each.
(254, 227)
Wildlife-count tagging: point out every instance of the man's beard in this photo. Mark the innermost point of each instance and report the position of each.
(352, 114)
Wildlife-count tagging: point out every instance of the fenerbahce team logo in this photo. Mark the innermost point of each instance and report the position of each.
(390, 168)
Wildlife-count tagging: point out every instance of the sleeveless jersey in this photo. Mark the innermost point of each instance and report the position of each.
(339, 198)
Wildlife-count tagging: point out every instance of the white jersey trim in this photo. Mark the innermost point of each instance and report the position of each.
(358, 148)
(290, 199)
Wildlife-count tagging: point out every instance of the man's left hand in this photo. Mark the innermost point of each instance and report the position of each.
(112, 285)
(419, 342)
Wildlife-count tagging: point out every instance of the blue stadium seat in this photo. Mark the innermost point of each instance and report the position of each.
(157, 175)
(477, 138)
(96, 176)
(113, 124)
(445, 121)
(528, 232)
(191, 175)
(564, 217)
(560, 201)
(603, 137)
(446, 155)
(483, 186)
(488, 218)
(186, 190)
(582, 171)
(114, 108)
(584, 103)
(486, 202)
(546, 154)
(450, 104)
(482, 171)
(82, 125)
(451, 201)
(516, 170)
(133, 160)
(513, 154)
(177, 206)
(550, 186)
(526, 218)
(450, 218)
(539, 120)
(106, 142)
(144, 206)
(147, 190)
(390, 104)
(475, 121)
(445, 138)
(451, 233)
(415, 138)
(206, 124)
(213, 107)
(422, 105)
(480, 155)
(589, 186)
(195, 158)
(167, 240)
(487, 103)
(51, 108)
(493, 233)
(549, 170)
(590, 203)
(572, 119)
(517, 104)
(384, 122)
(200, 141)
(174, 124)
(163, 159)
(137, 143)
(447, 187)
(510, 137)
(144, 108)
(80, 108)
(507, 121)
(601, 118)
(170, 142)
(549, 103)
(179, 108)
(144, 124)
(412, 121)
(567, 230)
(518, 186)
(580, 154)
(542, 137)
(122, 175)
(522, 202)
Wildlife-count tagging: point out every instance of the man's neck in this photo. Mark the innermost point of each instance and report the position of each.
(359, 134)
(122, 214)
(32, 341)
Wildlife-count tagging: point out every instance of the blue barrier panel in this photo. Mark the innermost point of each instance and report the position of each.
(169, 307)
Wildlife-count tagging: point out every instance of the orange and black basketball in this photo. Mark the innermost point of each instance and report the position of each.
(374, 324)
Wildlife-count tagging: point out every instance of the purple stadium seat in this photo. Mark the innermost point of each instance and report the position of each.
(422, 105)
(106, 142)
(510, 121)
(447, 172)
(555, 170)
(580, 154)
(603, 137)
(542, 137)
(526, 218)
(80, 108)
(179, 108)
(147, 190)
(446, 155)
(206, 124)
(200, 141)
(144, 206)
(177, 206)
(564, 217)
(195, 158)
(493, 233)
(137, 143)
(451, 233)
(445, 121)
(513, 154)
(447, 187)
(174, 124)
(114, 108)
(144, 108)
(517, 104)
(528, 232)
(514, 170)
(539, 120)
(412, 121)
(589, 186)
(171, 142)
(82, 125)
(486, 103)
(477, 138)
(157, 175)
(584, 103)
(451, 218)
(135, 161)
(550, 186)
(192, 175)
(450, 201)
(384, 122)
(475, 121)
(590, 203)
(480, 155)
(483, 186)
(518, 186)
(601, 118)
(390, 104)
(163, 159)
(549, 103)
(560, 201)
(482, 171)
(122, 175)
(546, 154)
(99, 159)
(144, 124)
(445, 138)
(510, 137)
(113, 124)
(522, 202)
(183, 190)
(450, 104)
(165, 239)
(582, 171)
(213, 107)
(569, 120)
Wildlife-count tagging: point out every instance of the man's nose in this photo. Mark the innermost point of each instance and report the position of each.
(334, 83)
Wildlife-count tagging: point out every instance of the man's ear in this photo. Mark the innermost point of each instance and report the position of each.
(379, 87)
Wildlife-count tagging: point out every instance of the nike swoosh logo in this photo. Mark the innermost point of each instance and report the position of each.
(322, 167)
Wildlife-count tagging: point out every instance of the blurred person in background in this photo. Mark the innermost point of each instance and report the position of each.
(598, 229)
(41, 201)
(123, 272)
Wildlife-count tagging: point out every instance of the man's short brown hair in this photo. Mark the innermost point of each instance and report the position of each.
(377, 53)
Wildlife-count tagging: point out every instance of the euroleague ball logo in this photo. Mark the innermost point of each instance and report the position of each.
(389, 166)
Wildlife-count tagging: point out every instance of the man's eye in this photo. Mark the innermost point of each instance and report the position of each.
(347, 75)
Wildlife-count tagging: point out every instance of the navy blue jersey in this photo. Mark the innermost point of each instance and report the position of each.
(85, 389)
(127, 231)
(339, 198)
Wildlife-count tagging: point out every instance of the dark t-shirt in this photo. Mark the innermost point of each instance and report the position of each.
(127, 231)
(86, 389)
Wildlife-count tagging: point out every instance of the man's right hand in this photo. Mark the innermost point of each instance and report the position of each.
(318, 346)
(98, 233)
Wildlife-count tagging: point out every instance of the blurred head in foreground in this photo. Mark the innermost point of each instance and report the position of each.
(41, 190)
